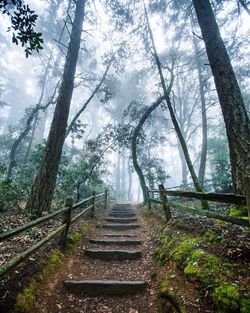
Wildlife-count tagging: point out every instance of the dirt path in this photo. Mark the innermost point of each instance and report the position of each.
(56, 299)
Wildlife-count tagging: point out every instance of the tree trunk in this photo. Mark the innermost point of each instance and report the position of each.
(129, 180)
(123, 178)
(118, 175)
(27, 154)
(203, 160)
(245, 7)
(137, 130)
(184, 169)
(231, 101)
(45, 181)
(172, 113)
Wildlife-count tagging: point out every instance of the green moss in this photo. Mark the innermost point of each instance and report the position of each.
(245, 306)
(74, 238)
(26, 300)
(226, 298)
(209, 237)
(204, 267)
(54, 262)
(161, 251)
(219, 222)
(238, 210)
(181, 251)
(85, 227)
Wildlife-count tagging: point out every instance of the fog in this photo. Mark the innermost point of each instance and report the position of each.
(115, 33)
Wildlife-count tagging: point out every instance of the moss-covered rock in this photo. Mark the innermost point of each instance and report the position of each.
(226, 298)
(165, 244)
(180, 252)
(204, 267)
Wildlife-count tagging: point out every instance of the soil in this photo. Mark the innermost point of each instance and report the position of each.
(81, 267)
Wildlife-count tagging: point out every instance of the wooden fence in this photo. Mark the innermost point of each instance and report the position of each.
(67, 220)
(211, 196)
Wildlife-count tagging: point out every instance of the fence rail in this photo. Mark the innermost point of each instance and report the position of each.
(67, 221)
(211, 196)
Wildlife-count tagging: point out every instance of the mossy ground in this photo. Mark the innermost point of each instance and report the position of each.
(238, 211)
(191, 254)
(26, 300)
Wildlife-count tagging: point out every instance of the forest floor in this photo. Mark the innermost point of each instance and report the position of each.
(228, 242)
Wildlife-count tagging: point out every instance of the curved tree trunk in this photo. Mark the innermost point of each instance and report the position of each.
(129, 180)
(171, 111)
(137, 130)
(45, 181)
(173, 117)
(231, 101)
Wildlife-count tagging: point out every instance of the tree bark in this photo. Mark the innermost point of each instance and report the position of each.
(203, 160)
(123, 178)
(171, 111)
(118, 175)
(136, 132)
(129, 180)
(45, 181)
(245, 7)
(231, 101)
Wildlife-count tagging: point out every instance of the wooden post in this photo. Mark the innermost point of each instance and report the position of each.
(106, 199)
(67, 221)
(247, 192)
(93, 204)
(165, 205)
(149, 201)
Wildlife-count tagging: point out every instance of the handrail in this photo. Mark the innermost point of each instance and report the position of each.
(22, 256)
(82, 202)
(210, 196)
(64, 228)
(155, 200)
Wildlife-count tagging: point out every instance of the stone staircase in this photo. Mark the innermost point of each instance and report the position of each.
(116, 240)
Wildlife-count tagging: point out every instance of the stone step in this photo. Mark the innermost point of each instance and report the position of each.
(123, 220)
(122, 242)
(113, 254)
(119, 227)
(122, 205)
(105, 287)
(120, 235)
(122, 214)
(122, 211)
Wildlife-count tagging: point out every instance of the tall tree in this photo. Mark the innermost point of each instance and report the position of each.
(44, 184)
(135, 135)
(230, 97)
(203, 160)
(171, 110)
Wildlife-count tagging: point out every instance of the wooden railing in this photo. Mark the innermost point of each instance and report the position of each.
(67, 220)
(211, 196)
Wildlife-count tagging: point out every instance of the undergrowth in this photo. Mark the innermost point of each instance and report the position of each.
(215, 276)
(26, 300)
